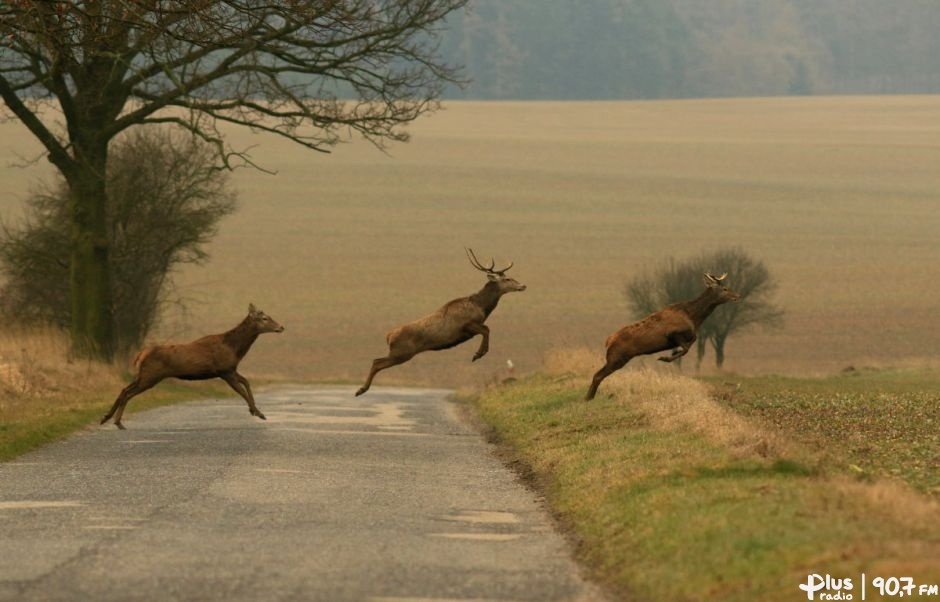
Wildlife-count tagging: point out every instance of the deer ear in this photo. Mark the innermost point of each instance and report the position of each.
(492, 277)
(252, 309)
(710, 280)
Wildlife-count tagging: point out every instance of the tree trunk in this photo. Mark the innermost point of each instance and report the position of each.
(718, 342)
(699, 352)
(92, 331)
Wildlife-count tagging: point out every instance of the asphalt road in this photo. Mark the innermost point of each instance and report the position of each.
(388, 497)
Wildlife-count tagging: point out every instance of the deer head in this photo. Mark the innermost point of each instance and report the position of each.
(262, 321)
(715, 285)
(506, 284)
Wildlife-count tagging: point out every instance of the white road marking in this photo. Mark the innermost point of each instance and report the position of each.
(353, 432)
(479, 536)
(381, 415)
(484, 516)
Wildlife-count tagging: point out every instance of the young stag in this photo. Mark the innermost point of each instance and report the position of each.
(213, 356)
(449, 326)
(673, 327)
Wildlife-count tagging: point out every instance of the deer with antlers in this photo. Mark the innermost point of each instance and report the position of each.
(454, 323)
(674, 327)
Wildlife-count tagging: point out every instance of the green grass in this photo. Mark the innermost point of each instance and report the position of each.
(873, 423)
(35, 422)
(665, 512)
(46, 395)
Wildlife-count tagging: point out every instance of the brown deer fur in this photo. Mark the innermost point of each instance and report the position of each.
(213, 356)
(674, 327)
(456, 322)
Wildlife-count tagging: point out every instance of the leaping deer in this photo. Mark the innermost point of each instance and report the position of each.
(213, 356)
(675, 327)
(451, 325)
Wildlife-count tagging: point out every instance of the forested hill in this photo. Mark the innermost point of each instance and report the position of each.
(614, 49)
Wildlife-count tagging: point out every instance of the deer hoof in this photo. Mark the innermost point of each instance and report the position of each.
(120, 426)
(361, 391)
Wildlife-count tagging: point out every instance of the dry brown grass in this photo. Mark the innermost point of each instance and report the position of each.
(46, 395)
(674, 402)
(837, 195)
(36, 364)
(668, 501)
(671, 401)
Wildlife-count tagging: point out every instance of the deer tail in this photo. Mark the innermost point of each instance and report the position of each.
(141, 355)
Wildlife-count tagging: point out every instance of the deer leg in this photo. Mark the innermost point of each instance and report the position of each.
(233, 381)
(251, 404)
(682, 342)
(484, 331)
(117, 410)
(380, 364)
(244, 383)
(613, 364)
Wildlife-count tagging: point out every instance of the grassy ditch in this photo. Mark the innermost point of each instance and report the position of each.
(670, 495)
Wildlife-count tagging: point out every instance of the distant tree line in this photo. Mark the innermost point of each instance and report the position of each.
(612, 49)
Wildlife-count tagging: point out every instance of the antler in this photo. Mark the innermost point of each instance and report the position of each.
(476, 262)
(716, 279)
(502, 272)
(489, 270)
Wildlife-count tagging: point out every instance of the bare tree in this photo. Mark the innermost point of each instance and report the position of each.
(165, 202)
(674, 281)
(312, 72)
(756, 286)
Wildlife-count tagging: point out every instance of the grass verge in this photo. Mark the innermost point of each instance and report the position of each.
(54, 417)
(671, 496)
(45, 396)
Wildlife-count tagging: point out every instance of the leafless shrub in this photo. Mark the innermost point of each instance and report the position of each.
(675, 281)
(164, 203)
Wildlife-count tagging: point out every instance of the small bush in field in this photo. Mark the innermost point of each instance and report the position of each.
(676, 281)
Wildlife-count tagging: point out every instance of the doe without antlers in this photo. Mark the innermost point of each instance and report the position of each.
(213, 356)
(451, 325)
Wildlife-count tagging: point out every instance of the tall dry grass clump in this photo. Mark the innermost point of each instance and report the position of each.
(46, 394)
(571, 361)
(670, 401)
(36, 363)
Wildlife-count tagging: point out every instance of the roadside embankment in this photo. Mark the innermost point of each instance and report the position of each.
(45, 395)
(669, 494)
